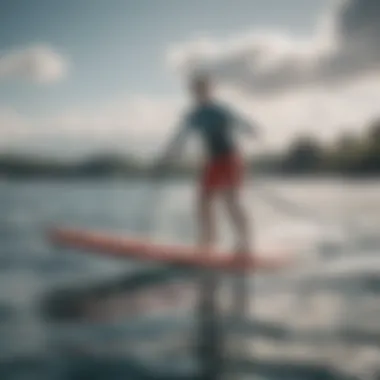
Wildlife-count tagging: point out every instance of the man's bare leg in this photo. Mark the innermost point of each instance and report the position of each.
(240, 223)
(206, 222)
(239, 219)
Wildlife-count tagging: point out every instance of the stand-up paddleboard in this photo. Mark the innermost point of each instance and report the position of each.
(211, 343)
(178, 255)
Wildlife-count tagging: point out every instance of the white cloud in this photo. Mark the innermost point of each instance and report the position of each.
(343, 47)
(39, 64)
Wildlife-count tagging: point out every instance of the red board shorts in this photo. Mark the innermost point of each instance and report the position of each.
(224, 172)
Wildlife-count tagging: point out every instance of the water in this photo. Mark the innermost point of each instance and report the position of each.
(320, 319)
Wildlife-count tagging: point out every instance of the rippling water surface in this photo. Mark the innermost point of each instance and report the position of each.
(319, 320)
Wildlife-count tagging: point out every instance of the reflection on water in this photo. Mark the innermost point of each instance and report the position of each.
(320, 320)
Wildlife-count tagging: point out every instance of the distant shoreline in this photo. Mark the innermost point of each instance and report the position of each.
(99, 170)
(187, 176)
(355, 157)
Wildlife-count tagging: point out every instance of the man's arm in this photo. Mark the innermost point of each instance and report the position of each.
(175, 144)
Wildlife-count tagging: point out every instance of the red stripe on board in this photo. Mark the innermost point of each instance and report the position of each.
(132, 248)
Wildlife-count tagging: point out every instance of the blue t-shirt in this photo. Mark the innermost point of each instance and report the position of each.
(215, 123)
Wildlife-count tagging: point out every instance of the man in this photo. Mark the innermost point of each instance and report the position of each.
(217, 126)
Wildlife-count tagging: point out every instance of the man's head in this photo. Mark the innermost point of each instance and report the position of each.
(201, 87)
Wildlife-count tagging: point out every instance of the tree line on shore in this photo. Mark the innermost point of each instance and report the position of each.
(349, 155)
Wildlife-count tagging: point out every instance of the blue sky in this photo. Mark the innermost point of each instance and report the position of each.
(118, 49)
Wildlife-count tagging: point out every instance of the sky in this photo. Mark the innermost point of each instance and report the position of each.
(84, 76)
